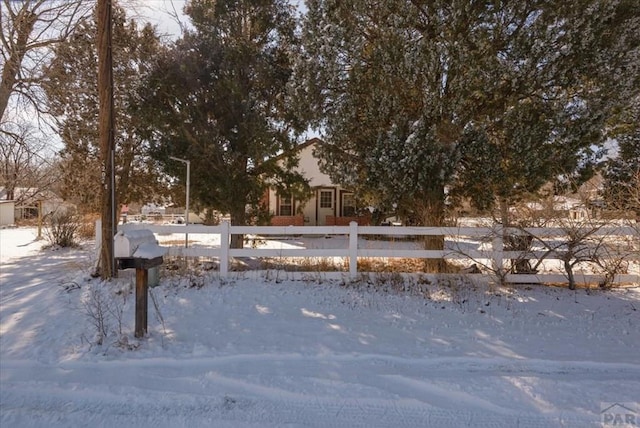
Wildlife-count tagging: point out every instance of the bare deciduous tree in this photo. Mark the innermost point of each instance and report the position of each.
(25, 161)
(590, 243)
(29, 29)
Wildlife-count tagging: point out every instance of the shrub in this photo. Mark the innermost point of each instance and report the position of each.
(62, 229)
(87, 226)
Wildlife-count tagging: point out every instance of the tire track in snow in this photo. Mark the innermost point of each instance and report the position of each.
(370, 390)
(98, 409)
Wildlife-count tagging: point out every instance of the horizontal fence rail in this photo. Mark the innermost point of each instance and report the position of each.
(622, 243)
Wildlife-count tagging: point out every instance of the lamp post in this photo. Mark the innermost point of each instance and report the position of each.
(186, 218)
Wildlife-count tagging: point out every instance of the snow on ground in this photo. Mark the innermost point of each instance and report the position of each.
(258, 350)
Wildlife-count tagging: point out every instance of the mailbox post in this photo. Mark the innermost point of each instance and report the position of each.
(139, 250)
(142, 267)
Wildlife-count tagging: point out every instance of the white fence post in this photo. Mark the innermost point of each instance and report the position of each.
(224, 248)
(353, 249)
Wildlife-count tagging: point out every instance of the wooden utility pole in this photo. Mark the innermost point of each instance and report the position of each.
(106, 130)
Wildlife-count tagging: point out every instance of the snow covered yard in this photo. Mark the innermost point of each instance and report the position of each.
(251, 351)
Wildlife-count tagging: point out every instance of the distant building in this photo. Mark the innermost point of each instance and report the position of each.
(27, 201)
(7, 213)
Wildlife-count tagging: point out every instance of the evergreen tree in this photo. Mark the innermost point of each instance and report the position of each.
(219, 99)
(498, 98)
(390, 85)
(73, 97)
(556, 99)
(621, 188)
(404, 83)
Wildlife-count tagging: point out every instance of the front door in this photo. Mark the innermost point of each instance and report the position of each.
(326, 205)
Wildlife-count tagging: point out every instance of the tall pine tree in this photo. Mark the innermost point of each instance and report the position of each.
(390, 85)
(219, 99)
(621, 187)
(556, 98)
(416, 95)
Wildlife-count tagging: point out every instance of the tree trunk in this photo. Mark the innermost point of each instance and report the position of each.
(237, 219)
(25, 21)
(568, 267)
(514, 242)
(210, 218)
(504, 215)
(433, 214)
(505, 220)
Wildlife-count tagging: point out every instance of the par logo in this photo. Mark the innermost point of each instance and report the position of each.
(620, 415)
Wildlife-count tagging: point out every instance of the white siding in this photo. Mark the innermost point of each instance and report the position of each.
(7, 212)
(308, 167)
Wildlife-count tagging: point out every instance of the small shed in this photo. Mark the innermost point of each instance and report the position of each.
(7, 213)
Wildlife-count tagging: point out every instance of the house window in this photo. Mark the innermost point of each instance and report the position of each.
(348, 205)
(326, 199)
(285, 205)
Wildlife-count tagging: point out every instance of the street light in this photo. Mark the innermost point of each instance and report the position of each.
(186, 218)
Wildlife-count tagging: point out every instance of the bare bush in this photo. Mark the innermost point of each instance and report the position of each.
(87, 226)
(95, 307)
(105, 308)
(62, 229)
(585, 246)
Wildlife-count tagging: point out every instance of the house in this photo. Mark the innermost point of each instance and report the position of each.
(329, 204)
(28, 200)
(7, 213)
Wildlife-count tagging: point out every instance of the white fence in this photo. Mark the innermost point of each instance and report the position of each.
(487, 249)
